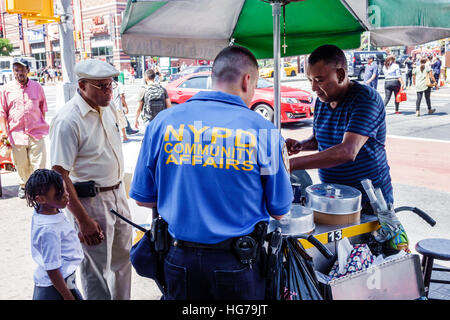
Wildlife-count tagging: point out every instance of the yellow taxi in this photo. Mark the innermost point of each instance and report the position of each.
(267, 71)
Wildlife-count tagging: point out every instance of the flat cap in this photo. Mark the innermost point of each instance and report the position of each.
(95, 69)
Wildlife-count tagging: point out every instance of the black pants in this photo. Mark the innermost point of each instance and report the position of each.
(389, 87)
(427, 98)
(408, 79)
(436, 77)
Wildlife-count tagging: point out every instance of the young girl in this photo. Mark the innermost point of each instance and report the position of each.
(55, 245)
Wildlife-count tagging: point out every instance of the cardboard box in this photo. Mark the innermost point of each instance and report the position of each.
(326, 218)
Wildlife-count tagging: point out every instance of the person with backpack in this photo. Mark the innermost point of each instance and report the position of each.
(154, 99)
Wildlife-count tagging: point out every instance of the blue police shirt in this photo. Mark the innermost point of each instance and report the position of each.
(214, 167)
(362, 112)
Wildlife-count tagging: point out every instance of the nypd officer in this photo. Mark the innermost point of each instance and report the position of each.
(86, 149)
(214, 170)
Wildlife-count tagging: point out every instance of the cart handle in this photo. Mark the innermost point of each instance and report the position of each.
(323, 250)
(419, 212)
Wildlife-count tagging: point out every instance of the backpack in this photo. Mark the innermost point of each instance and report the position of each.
(154, 102)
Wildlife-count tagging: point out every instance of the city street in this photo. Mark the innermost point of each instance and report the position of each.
(418, 154)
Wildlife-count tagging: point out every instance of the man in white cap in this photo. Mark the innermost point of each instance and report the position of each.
(86, 149)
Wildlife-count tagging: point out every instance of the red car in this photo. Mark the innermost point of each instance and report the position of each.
(296, 104)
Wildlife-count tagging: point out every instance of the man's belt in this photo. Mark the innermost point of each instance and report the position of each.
(224, 245)
(103, 189)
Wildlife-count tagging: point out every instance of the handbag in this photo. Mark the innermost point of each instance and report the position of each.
(401, 96)
(430, 83)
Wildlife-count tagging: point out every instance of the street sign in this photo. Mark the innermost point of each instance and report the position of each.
(19, 16)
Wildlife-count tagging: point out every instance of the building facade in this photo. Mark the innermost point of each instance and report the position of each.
(96, 33)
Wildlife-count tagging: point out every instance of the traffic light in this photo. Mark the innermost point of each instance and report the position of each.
(39, 10)
(24, 6)
(1, 32)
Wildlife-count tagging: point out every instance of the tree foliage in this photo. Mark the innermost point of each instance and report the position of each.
(5, 47)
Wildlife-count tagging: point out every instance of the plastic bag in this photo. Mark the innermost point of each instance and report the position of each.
(391, 230)
(359, 259)
(401, 96)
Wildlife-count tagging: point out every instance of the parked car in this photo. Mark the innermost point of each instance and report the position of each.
(296, 104)
(267, 72)
(189, 70)
(357, 61)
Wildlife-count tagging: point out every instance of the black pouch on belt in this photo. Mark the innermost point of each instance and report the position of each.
(248, 248)
(85, 189)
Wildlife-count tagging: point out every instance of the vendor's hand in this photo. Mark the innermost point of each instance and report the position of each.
(293, 146)
(91, 233)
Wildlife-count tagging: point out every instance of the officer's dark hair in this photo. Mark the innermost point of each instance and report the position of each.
(150, 74)
(330, 54)
(40, 183)
(231, 63)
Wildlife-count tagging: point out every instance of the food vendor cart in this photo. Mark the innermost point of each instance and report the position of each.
(395, 278)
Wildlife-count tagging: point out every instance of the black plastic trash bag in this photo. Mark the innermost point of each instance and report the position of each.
(295, 278)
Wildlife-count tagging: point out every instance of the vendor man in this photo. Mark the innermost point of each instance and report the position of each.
(214, 169)
(86, 150)
(349, 128)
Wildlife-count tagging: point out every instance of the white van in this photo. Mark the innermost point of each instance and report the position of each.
(6, 71)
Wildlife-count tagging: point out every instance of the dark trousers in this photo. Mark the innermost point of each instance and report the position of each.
(408, 79)
(436, 76)
(373, 84)
(211, 274)
(427, 98)
(50, 293)
(391, 86)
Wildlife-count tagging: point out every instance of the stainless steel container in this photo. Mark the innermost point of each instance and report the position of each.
(299, 220)
(333, 199)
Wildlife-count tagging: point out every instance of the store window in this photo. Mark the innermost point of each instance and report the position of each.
(41, 60)
(103, 53)
(38, 52)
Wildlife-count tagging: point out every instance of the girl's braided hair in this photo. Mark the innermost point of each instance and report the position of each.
(40, 183)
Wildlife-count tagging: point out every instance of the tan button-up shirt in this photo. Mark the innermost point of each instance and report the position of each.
(87, 143)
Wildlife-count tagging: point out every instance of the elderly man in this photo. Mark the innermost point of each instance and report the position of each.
(86, 149)
(22, 120)
(349, 128)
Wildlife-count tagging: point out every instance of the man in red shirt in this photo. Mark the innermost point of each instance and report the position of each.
(22, 121)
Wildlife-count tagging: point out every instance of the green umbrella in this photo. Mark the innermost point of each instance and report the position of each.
(199, 29)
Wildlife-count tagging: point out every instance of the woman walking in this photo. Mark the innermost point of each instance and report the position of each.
(392, 81)
(420, 75)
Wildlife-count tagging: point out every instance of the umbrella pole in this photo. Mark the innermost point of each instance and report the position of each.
(276, 13)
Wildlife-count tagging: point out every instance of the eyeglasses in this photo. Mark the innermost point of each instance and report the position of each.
(113, 85)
